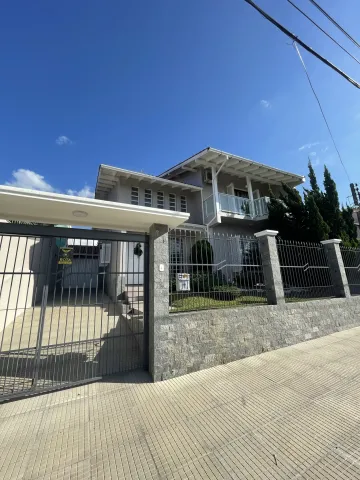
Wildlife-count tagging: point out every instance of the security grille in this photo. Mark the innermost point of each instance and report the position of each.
(305, 270)
(223, 270)
(351, 259)
(68, 313)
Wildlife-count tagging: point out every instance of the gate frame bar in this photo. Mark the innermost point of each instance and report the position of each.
(63, 232)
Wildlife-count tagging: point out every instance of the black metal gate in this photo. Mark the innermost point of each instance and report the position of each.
(73, 306)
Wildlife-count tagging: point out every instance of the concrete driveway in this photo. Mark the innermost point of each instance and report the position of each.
(290, 413)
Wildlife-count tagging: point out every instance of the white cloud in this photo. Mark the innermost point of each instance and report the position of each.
(312, 154)
(28, 179)
(308, 145)
(325, 149)
(86, 191)
(23, 178)
(63, 140)
(265, 103)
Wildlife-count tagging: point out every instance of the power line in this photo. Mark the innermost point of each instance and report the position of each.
(304, 45)
(327, 34)
(332, 20)
(321, 109)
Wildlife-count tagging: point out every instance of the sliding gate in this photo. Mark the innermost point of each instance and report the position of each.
(72, 306)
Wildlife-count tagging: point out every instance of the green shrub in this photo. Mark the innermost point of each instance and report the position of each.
(205, 282)
(202, 254)
(225, 292)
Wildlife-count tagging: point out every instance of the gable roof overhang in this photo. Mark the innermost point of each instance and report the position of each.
(236, 166)
(108, 177)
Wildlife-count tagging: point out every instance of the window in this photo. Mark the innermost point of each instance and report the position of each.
(172, 201)
(160, 200)
(241, 193)
(148, 198)
(134, 196)
(183, 204)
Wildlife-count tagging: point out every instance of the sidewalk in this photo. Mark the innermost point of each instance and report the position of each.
(289, 413)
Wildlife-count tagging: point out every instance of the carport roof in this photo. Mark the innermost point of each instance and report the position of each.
(54, 208)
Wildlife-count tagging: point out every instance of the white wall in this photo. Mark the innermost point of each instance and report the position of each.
(23, 267)
(115, 271)
(122, 193)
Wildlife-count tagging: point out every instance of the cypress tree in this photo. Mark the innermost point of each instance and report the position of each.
(350, 229)
(316, 217)
(278, 215)
(331, 208)
(317, 229)
(315, 189)
(296, 212)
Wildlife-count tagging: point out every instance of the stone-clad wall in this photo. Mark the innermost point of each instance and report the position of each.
(187, 342)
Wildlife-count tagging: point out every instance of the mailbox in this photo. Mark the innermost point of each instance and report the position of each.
(183, 282)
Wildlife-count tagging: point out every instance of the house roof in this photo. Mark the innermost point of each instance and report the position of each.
(234, 165)
(109, 176)
(54, 208)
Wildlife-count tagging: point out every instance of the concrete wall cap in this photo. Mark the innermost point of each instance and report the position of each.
(267, 233)
(333, 240)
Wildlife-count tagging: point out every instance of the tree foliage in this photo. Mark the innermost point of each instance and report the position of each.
(314, 217)
(202, 255)
(317, 228)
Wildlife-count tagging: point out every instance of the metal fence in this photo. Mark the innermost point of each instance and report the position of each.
(72, 306)
(214, 271)
(305, 270)
(351, 259)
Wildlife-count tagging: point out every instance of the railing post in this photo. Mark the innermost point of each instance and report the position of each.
(158, 290)
(216, 194)
(336, 267)
(271, 267)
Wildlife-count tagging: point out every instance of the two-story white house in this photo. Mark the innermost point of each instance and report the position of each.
(221, 191)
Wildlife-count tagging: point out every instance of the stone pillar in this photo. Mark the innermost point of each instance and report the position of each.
(336, 267)
(158, 290)
(271, 267)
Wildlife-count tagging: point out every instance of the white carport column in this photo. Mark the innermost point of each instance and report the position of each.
(216, 194)
(158, 288)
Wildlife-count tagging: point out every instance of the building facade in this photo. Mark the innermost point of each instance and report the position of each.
(222, 192)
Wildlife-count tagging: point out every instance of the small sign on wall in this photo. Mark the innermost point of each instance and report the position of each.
(65, 256)
(183, 282)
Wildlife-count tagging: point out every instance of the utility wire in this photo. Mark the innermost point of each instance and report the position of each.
(332, 20)
(327, 34)
(304, 45)
(321, 109)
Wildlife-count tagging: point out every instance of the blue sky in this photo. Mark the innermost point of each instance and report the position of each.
(143, 85)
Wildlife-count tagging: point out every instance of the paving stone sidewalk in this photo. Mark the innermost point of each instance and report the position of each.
(289, 413)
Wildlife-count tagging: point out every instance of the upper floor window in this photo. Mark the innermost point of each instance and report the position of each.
(172, 201)
(183, 204)
(241, 193)
(148, 198)
(160, 200)
(134, 196)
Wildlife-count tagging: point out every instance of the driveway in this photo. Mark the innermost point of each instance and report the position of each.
(289, 413)
(81, 334)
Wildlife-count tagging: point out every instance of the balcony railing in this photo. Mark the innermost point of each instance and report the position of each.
(237, 205)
